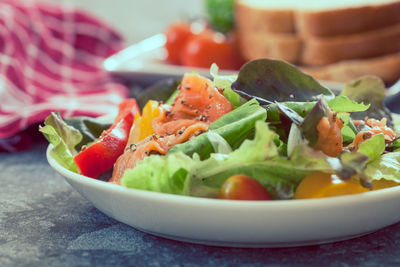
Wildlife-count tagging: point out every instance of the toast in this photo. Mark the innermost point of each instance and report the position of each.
(323, 36)
(387, 67)
(326, 50)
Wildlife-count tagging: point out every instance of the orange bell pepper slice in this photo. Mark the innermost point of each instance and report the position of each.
(142, 125)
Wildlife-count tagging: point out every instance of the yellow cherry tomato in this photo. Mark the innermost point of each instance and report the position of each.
(142, 125)
(318, 185)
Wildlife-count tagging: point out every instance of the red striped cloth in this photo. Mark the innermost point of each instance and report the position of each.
(51, 59)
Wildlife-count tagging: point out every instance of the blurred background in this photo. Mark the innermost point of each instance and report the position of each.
(138, 20)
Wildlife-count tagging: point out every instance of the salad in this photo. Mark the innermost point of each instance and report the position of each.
(270, 132)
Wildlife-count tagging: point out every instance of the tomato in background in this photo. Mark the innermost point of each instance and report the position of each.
(176, 34)
(207, 47)
(242, 187)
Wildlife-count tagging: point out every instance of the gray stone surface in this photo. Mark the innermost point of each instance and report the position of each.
(44, 222)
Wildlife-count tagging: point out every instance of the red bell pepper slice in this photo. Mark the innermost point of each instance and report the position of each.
(101, 155)
(127, 106)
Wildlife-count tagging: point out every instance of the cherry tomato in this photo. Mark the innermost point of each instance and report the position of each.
(176, 35)
(207, 47)
(242, 187)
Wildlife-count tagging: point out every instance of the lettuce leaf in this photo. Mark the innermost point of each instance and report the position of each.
(386, 166)
(340, 104)
(90, 128)
(373, 147)
(259, 159)
(224, 82)
(348, 131)
(64, 138)
(234, 127)
(277, 80)
(309, 126)
(162, 91)
(369, 90)
(165, 174)
(344, 104)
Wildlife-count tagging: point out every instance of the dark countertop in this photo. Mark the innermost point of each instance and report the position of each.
(44, 222)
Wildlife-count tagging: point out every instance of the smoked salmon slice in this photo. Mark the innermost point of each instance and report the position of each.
(197, 105)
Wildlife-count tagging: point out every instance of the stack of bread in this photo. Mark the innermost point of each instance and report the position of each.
(331, 40)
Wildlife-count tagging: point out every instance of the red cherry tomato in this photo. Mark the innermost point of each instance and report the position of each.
(201, 50)
(242, 187)
(176, 35)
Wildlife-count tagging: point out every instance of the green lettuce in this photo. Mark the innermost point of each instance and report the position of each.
(177, 173)
(162, 91)
(386, 166)
(224, 82)
(277, 80)
(165, 174)
(259, 158)
(368, 90)
(344, 104)
(373, 147)
(90, 128)
(64, 138)
(234, 127)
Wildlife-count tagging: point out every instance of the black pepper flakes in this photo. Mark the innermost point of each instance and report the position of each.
(366, 135)
(181, 131)
(202, 118)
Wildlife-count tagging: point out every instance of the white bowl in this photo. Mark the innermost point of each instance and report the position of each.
(280, 223)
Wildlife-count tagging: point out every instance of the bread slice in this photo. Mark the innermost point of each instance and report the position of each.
(338, 40)
(317, 18)
(387, 67)
(371, 15)
(253, 19)
(327, 50)
(277, 46)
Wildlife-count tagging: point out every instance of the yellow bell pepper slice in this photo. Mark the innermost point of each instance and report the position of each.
(382, 183)
(318, 184)
(142, 125)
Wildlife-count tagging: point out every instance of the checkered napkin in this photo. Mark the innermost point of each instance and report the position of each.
(51, 59)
